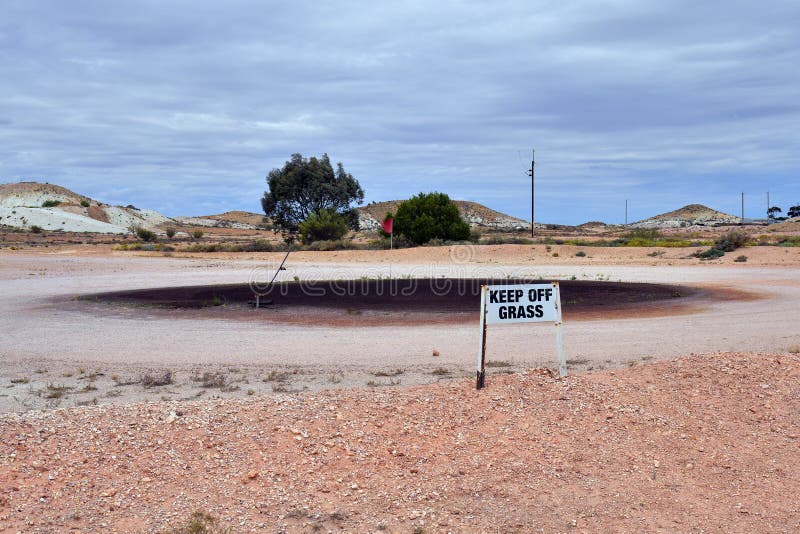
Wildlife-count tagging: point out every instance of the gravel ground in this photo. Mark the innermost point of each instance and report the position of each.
(705, 443)
(692, 443)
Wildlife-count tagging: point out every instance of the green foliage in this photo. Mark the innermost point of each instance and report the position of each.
(794, 211)
(144, 234)
(197, 234)
(36, 229)
(644, 233)
(711, 254)
(50, 203)
(325, 225)
(170, 232)
(429, 216)
(306, 186)
(730, 241)
(741, 259)
(85, 203)
(580, 254)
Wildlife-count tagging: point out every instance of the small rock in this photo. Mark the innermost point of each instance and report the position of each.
(435, 352)
(252, 474)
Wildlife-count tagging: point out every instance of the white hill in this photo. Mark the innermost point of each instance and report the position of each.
(52, 207)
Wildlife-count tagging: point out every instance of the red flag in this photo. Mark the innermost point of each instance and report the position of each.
(387, 225)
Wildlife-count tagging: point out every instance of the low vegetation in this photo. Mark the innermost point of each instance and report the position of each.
(154, 380)
(727, 242)
(144, 234)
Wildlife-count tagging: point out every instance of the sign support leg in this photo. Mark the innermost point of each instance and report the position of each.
(562, 359)
(481, 377)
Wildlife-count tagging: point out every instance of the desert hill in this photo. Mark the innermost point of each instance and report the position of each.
(242, 220)
(693, 214)
(477, 215)
(52, 207)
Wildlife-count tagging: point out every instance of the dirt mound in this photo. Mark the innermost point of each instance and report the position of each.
(34, 194)
(691, 215)
(477, 215)
(243, 220)
(791, 225)
(706, 443)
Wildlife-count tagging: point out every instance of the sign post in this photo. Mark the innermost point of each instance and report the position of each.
(520, 303)
(482, 349)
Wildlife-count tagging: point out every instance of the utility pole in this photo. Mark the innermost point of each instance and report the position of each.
(742, 222)
(530, 172)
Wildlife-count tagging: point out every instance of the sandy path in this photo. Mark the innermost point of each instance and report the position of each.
(38, 336)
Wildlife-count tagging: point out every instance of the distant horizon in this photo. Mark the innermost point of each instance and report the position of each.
(186, 106)
(366, 202)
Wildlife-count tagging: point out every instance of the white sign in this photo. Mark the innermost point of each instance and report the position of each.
(524, 303)
(520, 303)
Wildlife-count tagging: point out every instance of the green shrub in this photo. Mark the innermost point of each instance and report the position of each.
(324, 225)
(50, 203)
(730, 241)
(711, 254)
(144, 234)
(36, 229)
(580, 254)
(85, 203)
(170, 232)
(197, 234)
(428, 216)
(741, 259)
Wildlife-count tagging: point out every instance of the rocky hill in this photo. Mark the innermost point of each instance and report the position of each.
(242, 220)
(691, 215)
(51, 207)
(477, 215)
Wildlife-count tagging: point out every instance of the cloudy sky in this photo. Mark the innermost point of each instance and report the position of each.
(185, 106)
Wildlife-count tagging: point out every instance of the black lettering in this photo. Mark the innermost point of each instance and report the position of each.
(539, 311)
(502, 312)
(530, 311)
(518, 295)
(549, 293)
(493, 297)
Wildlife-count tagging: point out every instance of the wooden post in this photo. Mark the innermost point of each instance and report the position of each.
(481, 376)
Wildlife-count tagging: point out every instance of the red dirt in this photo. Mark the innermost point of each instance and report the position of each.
(703, 443)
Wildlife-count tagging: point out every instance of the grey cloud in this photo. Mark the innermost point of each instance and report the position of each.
(189, 104)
